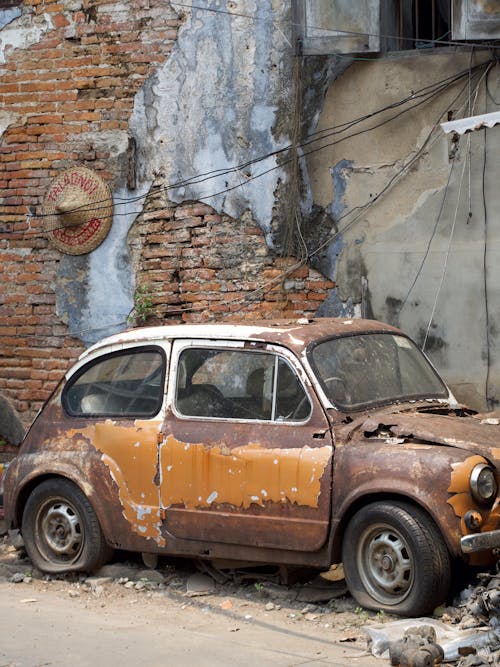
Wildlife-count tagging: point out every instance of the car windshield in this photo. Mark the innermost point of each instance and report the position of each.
(373, 368)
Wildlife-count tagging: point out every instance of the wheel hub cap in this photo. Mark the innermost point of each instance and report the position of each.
(61, 529)
(386, 563)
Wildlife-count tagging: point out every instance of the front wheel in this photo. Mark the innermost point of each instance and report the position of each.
(395, 559)
(60, 530)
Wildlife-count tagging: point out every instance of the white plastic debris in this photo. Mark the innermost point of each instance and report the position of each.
(451, 639)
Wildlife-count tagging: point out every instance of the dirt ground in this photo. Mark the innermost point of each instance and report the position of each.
(212, 614)
(272, 616)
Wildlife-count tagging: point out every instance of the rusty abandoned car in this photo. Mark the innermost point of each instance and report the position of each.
(300, 444)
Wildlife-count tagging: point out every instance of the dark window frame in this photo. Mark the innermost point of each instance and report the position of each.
(402, 25)
(113, 414)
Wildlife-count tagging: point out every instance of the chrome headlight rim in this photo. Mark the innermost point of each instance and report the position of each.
(477, 483)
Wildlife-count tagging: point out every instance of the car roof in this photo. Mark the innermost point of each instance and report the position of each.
(295, 334)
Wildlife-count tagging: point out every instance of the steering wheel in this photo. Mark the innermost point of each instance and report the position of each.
(336, 379)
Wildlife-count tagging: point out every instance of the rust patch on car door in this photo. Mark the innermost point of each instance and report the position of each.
(195, 475)
(131, 454)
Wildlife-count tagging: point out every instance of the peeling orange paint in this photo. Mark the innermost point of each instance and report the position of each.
(462, 500)
(460, 475)
(130, 452)
(198, 476)
(195, 475)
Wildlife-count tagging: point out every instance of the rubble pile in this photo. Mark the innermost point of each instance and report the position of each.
(466, 634)
(480, 609)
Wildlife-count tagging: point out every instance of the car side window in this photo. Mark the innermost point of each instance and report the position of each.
(239, 384)
(127, 384)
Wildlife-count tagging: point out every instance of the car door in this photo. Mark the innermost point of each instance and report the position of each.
(116, 402)
(246, 452)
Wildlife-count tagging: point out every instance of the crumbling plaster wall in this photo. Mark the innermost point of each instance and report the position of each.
(197, 91)
(401, 260)
(220, 101)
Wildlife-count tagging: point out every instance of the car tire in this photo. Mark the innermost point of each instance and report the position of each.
(61, 531)
(395, 559)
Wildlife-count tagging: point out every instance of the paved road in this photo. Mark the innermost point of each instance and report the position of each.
(50, 629)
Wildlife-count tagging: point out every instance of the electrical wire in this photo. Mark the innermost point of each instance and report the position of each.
(276, 280)
(419, 270)
(489, 402)
(471, 108)
(429, 243)
(445, 264)
(253, 294)
(426, 93)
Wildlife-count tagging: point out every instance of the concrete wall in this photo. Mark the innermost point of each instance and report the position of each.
(397, 257)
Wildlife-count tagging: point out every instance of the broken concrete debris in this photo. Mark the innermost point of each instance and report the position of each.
(470, 637)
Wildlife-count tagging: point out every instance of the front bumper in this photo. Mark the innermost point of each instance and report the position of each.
(480, 541)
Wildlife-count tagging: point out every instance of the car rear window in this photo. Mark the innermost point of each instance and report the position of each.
(127, 384)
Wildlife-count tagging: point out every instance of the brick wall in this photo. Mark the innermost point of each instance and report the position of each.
(77, 82)
(197, 266)
(62, 94)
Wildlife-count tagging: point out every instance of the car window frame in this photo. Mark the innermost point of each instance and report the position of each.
(374, 404)
(122, 351)
(278, 352)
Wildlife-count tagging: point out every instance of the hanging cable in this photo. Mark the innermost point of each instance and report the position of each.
(426, 93)
(445, 265)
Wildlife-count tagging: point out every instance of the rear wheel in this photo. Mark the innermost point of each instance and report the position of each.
(395, 559)
(61, 531)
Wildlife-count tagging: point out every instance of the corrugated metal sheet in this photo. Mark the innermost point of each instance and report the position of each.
(472, 123)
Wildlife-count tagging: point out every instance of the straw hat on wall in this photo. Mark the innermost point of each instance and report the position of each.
(77, 211)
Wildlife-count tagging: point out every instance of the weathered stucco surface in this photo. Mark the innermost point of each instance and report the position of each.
(216, 104)
(423, 270)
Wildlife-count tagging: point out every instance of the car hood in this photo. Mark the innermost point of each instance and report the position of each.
(478, 434)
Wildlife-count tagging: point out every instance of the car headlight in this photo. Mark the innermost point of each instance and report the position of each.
(483, 483)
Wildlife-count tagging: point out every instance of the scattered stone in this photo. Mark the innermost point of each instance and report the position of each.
(17, 578)
(270, 606)
(226, 604)
(199, 584)
(130, 584)
(343, 605)
(150, 575)
(321, 590)
(98, 581)
(6, 571)
(139, 585)
(278, 592)
(73, 594)
(311, 617)
(308, 609)
(117, 571)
